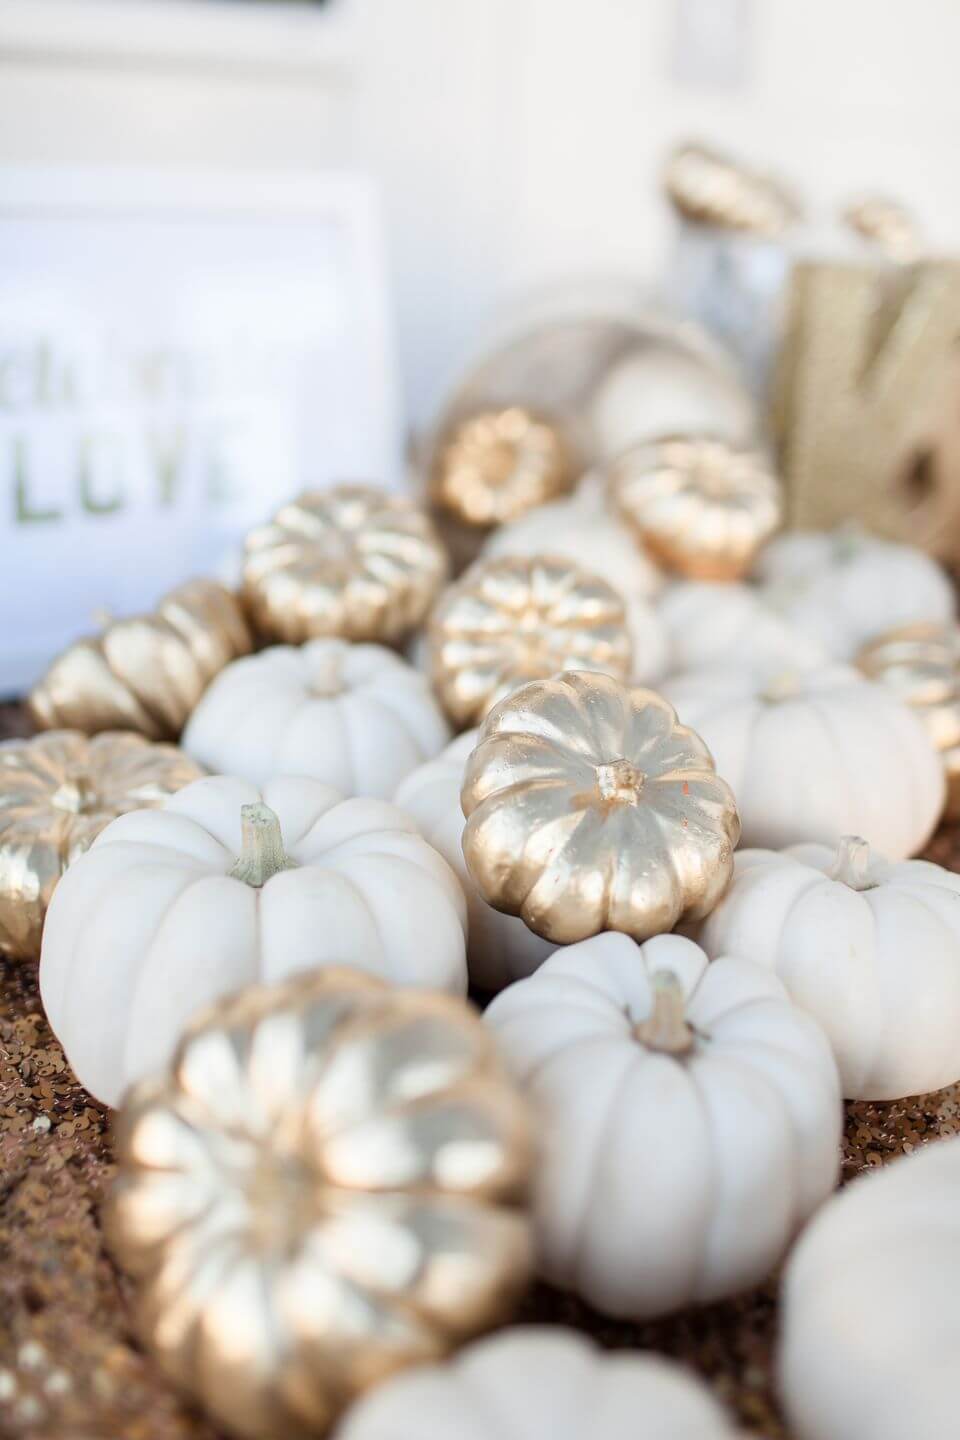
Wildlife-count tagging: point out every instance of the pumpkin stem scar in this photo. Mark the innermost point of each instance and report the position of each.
(852, 865)
(619, 780)
(261, 847)
(666, 1028)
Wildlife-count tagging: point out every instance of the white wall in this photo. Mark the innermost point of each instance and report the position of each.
(516, 140)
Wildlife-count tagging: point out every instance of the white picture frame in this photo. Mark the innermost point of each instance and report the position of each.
(260, 302)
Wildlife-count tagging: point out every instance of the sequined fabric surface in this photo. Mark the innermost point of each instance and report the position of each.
(70, 1368)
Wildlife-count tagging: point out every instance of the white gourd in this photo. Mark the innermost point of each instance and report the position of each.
(171, 909)
(540, 1383)
(814, 754)
(870, 949)
(355, 716)
(663, 390)
(870, 1326)
(708, 622)
(500, 948)
(689, 1114)
(844, 587)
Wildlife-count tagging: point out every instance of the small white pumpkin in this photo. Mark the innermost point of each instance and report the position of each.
(870, 1326)
(870, 949)
(171, 909)
(814, 754)
(844, 587)
(709, 622)
(690, 1118)
(500, 948)
(355, 716)
(540, 1383)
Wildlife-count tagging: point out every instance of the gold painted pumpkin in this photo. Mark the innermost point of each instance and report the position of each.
(326, 1186)
(520, 618)
(57, 792)
(590, 808)
(146, 673)
(494, 466)
(351, 561)
(921, 663)
(699, 504)
(709, 188)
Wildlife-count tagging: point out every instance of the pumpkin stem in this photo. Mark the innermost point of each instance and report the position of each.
(666, 1028)
(261, 847)
(852, 863)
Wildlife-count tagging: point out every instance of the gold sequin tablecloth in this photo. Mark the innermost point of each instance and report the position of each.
(70, 1368)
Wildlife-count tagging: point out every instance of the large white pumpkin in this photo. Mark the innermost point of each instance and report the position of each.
(870, 1325)
(355, 716)
(173, 908)
(709, 622)
(870, 949)
(690, 1119)
(532, 1383)
(500, 948)
(844, 587)
(814, 754)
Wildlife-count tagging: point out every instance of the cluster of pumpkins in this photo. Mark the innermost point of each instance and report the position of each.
(532, 781)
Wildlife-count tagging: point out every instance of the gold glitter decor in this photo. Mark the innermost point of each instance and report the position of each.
(887, 224)
(713, 189)
(146, 673)
(495, 466)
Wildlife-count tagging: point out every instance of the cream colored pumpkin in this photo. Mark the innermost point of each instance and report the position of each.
(844, 587)
(500, 948)
(708, 622)
(171, 909)
(690, 1119)
(870, 1326)
(815, 754)
(870, 949)
(355, 716)
(540, 1383)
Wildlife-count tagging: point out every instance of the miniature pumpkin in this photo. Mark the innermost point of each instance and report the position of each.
(845, 587)
(174, 908)
(495, 465)
(689, 1116)
(583, 531)
(352, 561)
(148, 672)
(500, 948)
(57, 792)
(700, 504)
(532, 1383)
(870, 949)
(589, 808)
(521, 618)
(707, 622)
(921, 664)
(870, 1328)
(326, 1186)
(815, 754)
(355, 716)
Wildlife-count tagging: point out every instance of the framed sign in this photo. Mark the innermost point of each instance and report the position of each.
(177, 355)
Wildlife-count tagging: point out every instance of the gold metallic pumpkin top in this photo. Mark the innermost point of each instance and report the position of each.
(57, 792)
(887, 224)
(325, 1187)
(921, 663)
(351, 561)
(519, 618)
(146, 673)
(713, 189)
(497, 465)
(699, 504)
(590, 808)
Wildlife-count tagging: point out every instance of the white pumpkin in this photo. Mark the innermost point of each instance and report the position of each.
(540, 1383)
(844, 587)
(815, 754)
(500, 948)
(870, 1326)
(708, 622)
(690, 1118)
(583, 530)
(870, 949)
(355, 716)
(172, 908)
